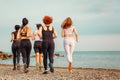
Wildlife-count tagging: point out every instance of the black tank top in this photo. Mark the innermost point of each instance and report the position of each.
(23, 32)
(47, 34)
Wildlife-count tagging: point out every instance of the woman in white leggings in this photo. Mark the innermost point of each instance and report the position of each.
(67, 33)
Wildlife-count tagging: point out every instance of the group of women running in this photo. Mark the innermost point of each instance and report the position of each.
(43, 43)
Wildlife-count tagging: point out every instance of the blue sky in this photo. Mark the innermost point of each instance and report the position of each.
(97, 21)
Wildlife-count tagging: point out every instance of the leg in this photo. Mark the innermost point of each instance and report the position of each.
(37, 60)
(51, 55)
(37, 57)
(23, 51)
(45, 59)
(44, 48)
(40, 54)
(71, 52)
(18, 55)
(72, 46)
(40, 59)
(67, 50)
(29, 46)
(14, 56)
(18, 59)
(36, 49)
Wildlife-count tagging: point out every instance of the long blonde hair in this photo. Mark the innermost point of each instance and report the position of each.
(66, 23)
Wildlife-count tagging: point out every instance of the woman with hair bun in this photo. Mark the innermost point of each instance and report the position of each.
(38, 47)
(48, 35)
(24, 34)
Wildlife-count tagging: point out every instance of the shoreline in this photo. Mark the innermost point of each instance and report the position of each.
(73, 68)
(61, 73)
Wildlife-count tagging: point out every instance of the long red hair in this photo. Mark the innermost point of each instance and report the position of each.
(66, 23)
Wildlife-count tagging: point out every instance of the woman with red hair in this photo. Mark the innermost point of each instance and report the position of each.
(68, 30)
(48, 35)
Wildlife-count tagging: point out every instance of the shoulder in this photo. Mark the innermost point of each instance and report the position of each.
(73, 27)
(12, 32)
(51, 28)
(44, 28)
(27, 27)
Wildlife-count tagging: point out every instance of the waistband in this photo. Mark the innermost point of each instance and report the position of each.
(25, 39)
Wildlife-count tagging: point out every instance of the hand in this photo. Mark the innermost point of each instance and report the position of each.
(10, 40)
(77, 40)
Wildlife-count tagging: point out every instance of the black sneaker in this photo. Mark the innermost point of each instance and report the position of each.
(51, 67)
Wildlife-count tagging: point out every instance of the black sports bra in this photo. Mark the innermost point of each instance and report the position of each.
(23, 32)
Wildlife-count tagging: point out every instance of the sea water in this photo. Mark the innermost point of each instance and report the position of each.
(82, 59)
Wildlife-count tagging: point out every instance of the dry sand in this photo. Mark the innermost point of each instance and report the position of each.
(6, 73)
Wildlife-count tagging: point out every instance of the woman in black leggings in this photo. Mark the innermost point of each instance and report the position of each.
(48, 34)
(25, 45)
(15, 48)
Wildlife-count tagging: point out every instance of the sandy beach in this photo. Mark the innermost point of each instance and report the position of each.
(61, 73)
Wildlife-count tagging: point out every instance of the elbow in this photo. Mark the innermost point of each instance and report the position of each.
(76, 35)
(62, 35)
(55, 36)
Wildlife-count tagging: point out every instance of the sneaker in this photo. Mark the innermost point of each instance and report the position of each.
(18, 66)
(37, 66)
(14, 68)
(25, 68)
(26, 71)
(51, 67)
(45, 72)
(40, 68)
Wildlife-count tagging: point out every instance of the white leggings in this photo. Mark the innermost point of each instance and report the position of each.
(69, 45)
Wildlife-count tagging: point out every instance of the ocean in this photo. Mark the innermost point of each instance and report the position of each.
(83, 59)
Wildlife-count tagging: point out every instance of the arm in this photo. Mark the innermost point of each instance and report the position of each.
(18, 34)
(55, 34)
(40, 32)
(33, 36)
(28, 32)
(12, 37)
(62, 33)
(76, 34)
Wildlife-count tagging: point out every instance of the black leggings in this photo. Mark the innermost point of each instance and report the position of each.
(38, 46)
(16, 52)
(25, 50)
(48, 50)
